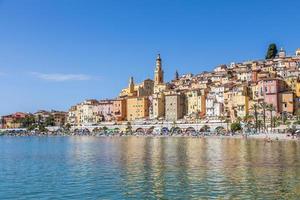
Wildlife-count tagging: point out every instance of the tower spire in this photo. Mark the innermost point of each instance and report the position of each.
(158, 74)
(131, 85)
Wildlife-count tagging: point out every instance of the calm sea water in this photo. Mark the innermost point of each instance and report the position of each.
(147, 168)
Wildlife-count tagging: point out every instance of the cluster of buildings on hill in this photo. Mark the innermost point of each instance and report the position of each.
(20, 119)
(228, 92)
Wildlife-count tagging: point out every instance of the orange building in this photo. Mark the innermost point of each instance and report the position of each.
(119, 109)
(13, 120)
(286, 102)
(137, 108)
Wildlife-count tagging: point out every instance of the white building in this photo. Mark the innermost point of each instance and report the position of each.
(214, 109)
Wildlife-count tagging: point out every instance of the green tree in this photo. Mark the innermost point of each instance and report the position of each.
(276, 121)
(264, 107)
(272, 51)
(42, 128)
(220, 129)
(235, 126)
(260, 124)
(49, 121)
(31, 127)
(105, 128)
(255, 107)
(26, 121)
(128, 128)
(68, 127)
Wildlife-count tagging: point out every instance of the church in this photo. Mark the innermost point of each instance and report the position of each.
(148, 86)
(146, 99)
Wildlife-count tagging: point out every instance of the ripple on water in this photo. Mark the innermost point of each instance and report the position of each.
(147, 168)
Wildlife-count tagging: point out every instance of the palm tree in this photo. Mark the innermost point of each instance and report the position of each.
(128, 128)
(259, 124)
(276, 121)
(255, 108)
(264, 107)
(271, 108)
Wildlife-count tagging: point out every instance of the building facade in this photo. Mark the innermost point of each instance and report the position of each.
(174, 106)
(137, 108)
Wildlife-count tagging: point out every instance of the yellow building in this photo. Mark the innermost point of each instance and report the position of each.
(238, 102)
(195, 102)
(137, 108)
(286, 100)
(138, 90)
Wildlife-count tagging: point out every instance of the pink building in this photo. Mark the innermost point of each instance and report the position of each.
(104, 110)
(269, 89)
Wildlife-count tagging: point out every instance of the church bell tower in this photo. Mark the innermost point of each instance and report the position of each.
(158, 74)
(131, 85)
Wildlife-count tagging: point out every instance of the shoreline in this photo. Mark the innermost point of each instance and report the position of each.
(270, 137)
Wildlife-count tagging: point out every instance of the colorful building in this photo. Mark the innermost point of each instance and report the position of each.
(137, 108)
(14, 120)
(286, 100)
(119, 109)
(195, 102)
(269, 89)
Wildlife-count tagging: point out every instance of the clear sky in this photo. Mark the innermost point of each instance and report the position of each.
(56, 53)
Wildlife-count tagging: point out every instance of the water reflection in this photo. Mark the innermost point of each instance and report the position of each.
(189, 168)
(148, 168)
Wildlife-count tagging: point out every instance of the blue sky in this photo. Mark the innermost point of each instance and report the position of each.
(55, 53)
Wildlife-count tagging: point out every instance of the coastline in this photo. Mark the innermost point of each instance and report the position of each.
(269, 137)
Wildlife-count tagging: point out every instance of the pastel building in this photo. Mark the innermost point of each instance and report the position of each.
(41, 116)
(174, 106)
(13, 120)
(104, 110)
(158, 106)
(59, 117)
(143, 89)
(239, 101)
(119, 109)
(214, 109)
(73, 116)
(87, 112)
(137, 108)
(286, 100)
(195, 102)
(269, 89)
